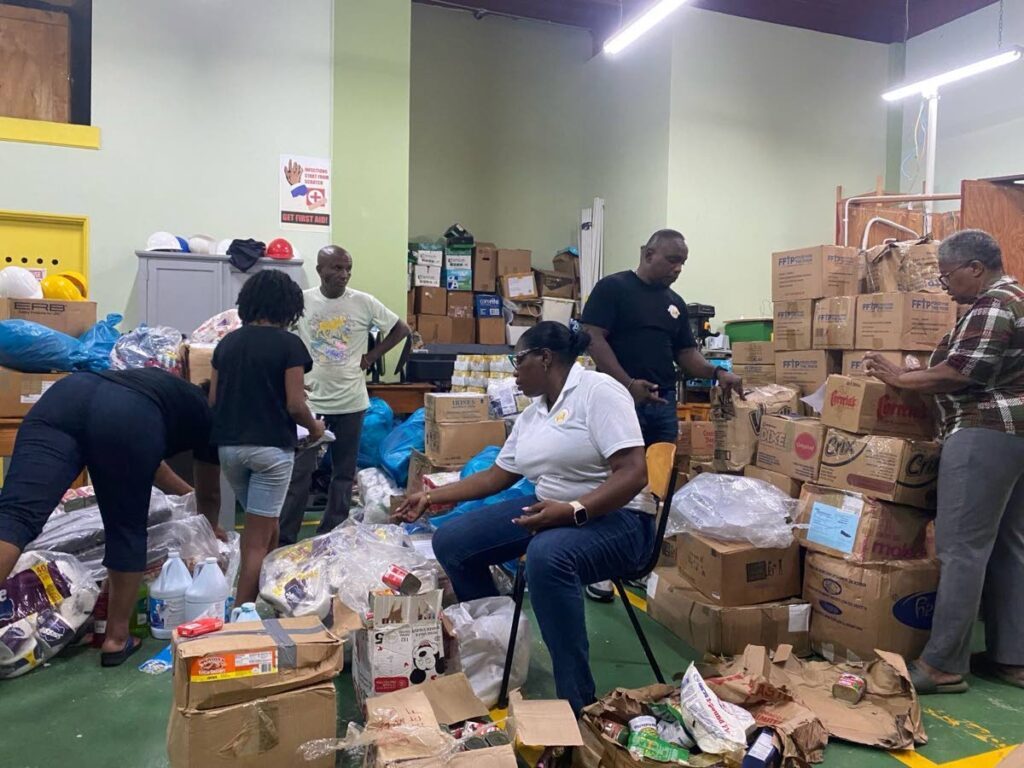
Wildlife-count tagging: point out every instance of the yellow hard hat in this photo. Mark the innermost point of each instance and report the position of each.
(78, 279)
(59, 287)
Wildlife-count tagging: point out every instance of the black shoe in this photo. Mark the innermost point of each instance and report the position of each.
(601, 592)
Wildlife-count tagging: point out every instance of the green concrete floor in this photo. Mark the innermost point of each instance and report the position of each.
(73, 713)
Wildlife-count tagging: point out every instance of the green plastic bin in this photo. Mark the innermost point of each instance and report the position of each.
(755, 329)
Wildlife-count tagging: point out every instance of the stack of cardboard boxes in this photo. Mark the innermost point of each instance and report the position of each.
(458, 427)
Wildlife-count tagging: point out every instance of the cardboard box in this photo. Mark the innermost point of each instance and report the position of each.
(458, 443)
(814, 273)
(513, 261)
(247, 661)
(200, 362)
(733, 573)
(835, 322)
(458, 272)
(420, 465)
(463, 330)
(490, 330)
(907, 267)
(567, 263)
(724, 631)
(557, 310)
(793, 321)
(557, 285)
(806, 371)
(791, 445)
(452, 408)
(71, 317)
(788, 485)
(865, 405)
(425, 277)
(513, 333)
(426, 254)
(410, 304)
(485, 267)
(20, 391)
(265, 733)
(460, 304)
(754, 374)
(857, 608)
(696, 439)
(887, 468)
(753, 353)
(858, 528)
(434, 329)
(517, 286)
(487, 305)
(431, 301)
(738, 422)
(853, 361)
(915, 321)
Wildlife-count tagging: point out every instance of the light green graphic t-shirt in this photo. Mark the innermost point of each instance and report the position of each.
(336, 332)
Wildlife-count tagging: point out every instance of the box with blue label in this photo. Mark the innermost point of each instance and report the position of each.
(859, 528)
(487, 305)
(458, 272)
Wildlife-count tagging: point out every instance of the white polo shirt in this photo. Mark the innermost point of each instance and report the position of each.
(564, 450)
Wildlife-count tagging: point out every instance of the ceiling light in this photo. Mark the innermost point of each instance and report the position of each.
(657, 13)
(930, 86)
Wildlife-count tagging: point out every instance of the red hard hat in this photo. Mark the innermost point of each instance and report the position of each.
(279, 248)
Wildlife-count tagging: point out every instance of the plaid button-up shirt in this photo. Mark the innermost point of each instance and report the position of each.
(987, 346)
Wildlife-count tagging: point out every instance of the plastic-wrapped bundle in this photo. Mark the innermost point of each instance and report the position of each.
(481, 629)
(43, 604)
(34, 348)
(733, 508)
(216, 328)
(349, 561)
(375, 492)
(150, 347)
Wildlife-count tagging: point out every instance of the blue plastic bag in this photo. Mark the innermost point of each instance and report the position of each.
(396, 448)
(479, 463)
(378, 421)
(34, 348)
(98, 342)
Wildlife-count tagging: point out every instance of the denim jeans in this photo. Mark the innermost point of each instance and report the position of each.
(659, 422)
(558, 562)
(258, 475)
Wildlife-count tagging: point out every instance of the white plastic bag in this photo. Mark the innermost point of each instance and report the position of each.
(733, 508)
(718, 727)
(481, 629)
(375, 491)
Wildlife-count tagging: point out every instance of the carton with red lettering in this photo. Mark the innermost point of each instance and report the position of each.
(865, 405)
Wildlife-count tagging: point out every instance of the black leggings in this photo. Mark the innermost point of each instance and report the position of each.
(86, 421)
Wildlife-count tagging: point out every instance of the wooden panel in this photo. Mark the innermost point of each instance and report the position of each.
(34, 64)
(860, 215)
(997, 208)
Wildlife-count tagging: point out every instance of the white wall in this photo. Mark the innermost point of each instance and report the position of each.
(195, 101)
(981, 120)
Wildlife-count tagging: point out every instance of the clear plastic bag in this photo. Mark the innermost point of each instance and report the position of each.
(150, 347)
(481, 629)
(375, 492)
(216, 328)
(733, 508)
(378, 421)
(388, 734)
(44, 603)
(396, 448)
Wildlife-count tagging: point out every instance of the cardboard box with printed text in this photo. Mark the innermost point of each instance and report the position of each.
(814, 273)
(753, 353)
(458, 443)
(793, 323)
(864, 405)
(733, 573)
(791, 445)
(806, 370)
(835, 322)
(914, 321)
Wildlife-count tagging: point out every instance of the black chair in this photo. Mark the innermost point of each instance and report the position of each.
(661, 482)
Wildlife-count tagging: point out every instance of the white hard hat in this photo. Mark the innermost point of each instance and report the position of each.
(19, 283)
(222, 246)
(202, 244)
(163, 241)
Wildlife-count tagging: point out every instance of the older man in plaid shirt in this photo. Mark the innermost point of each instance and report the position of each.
(977, 377)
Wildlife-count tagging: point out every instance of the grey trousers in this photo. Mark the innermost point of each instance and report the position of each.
(979, 539)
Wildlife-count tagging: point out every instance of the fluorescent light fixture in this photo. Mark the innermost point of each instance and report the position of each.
(656, 14)
(930, 86)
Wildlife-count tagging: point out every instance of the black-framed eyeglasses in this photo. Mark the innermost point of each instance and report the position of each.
(518, 357)
(944, 276)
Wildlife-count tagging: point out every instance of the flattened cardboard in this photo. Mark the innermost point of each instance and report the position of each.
(543, 723)
(915, 321)
(792, 325)
(791, 445)
(864, 405)
(815, 272)
(450, 699)
(835, 322)
(734, 573)
(753, 353)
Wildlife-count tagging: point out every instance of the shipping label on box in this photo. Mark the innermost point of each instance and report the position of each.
(451, 408)
(806, 371)
(755, 374)
(889, 468)
(791, 445)
(458, 443)
(738, 423)
(736, 573)
(835, 322)
(867, 406)
(814, 273)
(753, 353)
(20, 391)
(914, 321)
(518, 286)
(788, 485)
(853, 361)
(792, 325)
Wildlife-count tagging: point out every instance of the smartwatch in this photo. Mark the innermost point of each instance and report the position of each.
(579, 513)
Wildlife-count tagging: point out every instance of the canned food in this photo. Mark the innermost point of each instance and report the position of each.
(401, 581)
(849, 688)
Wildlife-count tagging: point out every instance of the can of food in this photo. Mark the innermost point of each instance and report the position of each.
(497, 738)
(401, 580)
(849, 688)
(644, 724)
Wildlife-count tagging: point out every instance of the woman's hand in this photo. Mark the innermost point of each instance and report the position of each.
(544, 515)
(412, 508)
(884, 370)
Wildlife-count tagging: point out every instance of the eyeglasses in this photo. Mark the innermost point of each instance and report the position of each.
(944, 276)
(517, 358)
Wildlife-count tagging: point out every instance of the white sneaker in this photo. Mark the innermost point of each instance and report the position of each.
(601, 592)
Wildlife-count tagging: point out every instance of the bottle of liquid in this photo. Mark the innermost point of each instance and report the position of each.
(208, 593)
(138, 626)
(167, 596)
(99, 615)
(245, 612)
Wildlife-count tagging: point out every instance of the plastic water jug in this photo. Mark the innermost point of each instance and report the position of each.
(208, 594)
(245, 612)
(167, 596)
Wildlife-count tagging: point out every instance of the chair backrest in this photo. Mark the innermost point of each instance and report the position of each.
(661, 482)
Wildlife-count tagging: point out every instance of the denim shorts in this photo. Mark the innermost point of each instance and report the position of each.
(259, 476)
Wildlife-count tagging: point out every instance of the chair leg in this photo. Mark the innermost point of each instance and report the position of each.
(639, 630)
(518, 593)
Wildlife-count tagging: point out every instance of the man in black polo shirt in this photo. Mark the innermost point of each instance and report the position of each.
(640, 331)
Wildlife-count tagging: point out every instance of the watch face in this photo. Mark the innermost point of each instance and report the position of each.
(580, 515)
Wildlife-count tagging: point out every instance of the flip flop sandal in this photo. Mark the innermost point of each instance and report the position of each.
(985, 667)
(117, 658)
(926, 685)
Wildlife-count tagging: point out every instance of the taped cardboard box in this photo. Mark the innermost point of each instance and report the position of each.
(460, 304)
(696, 439)
(556, 285)
(835, 322)
(858, 528)
(434, 329)
(788, 485)
(250, 660)
(755, 374)
(791, 445)
(753, 353)
(737, 573)
(792, 325)
(453, 408)
(724, 631)
(857, 608)
(864, 405)
(807, 370)
(71, 317)
(814, 273)
(264, 733)
(853, 361)
(738, 423)
(907, 267)
(20, 391)
(430, 301)
(200, 362)
(513, 261)
(914, 321)
(518, 286)
(888, 468)
(458, 443)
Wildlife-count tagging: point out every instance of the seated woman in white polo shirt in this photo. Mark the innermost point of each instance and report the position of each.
(580, 443)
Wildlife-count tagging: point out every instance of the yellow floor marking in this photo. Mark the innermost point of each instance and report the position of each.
(979, 732)
(637, 602)
(913, 759)
(984, 760)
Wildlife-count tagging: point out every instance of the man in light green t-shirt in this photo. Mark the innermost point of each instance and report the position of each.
(336, 326)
